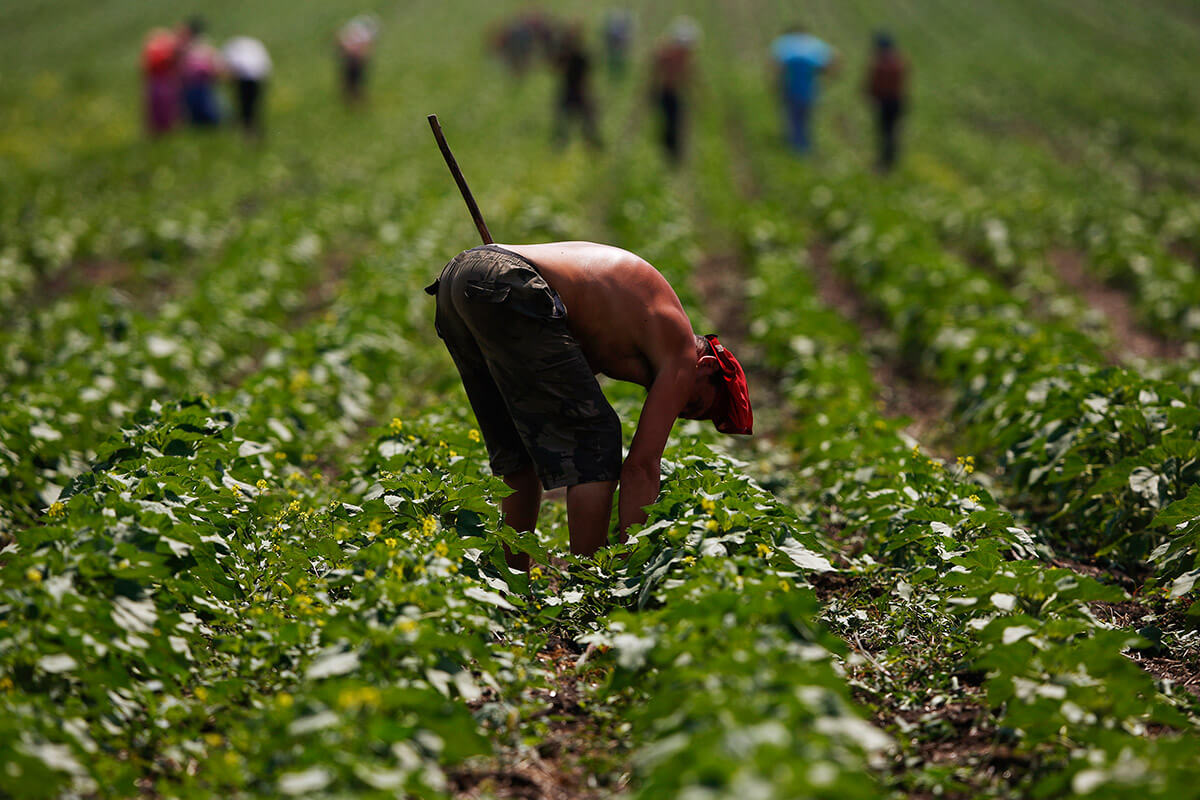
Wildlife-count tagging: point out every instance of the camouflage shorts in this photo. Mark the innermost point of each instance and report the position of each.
(529, 384)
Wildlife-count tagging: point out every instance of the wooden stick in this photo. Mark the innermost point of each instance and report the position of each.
(459, 179)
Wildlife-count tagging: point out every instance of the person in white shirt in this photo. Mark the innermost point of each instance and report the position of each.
(249, 65)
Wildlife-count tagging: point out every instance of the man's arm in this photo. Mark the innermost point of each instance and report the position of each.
(667, 396)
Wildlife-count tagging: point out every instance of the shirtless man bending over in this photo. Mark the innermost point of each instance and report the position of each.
(530, 326)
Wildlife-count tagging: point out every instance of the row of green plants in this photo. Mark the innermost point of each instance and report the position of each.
(79, 368)
(1095, 453)
(958, 601)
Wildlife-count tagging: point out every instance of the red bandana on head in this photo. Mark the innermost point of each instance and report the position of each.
(732, 412)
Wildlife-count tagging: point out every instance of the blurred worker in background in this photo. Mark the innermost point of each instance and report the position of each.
(249, 67)
(355, 41)
(519, 39)
(575, 100)
(887, 88)
(199, 67)
(618, 35)
(800, 59)
(160, 75)
(671, 74)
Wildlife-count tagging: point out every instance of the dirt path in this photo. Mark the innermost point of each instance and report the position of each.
(904, 393)
(147, 289)
(1132, 338)
(574, 756)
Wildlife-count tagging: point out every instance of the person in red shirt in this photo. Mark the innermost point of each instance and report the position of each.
(887, 88)
(160, 72)
(671, 74)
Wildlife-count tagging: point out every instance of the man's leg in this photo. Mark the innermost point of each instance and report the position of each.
(589, 510)
(520, 510)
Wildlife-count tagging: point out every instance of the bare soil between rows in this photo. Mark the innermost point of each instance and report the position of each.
(902, 391)
(1133, 339)
(562, 764)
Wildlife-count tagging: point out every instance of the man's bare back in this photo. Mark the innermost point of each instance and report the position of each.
(619, 307)
(528, 372)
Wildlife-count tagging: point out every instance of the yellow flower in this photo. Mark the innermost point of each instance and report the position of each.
(763, 550)
(441, 549)
(374, 527)
(712, 525)
(391, 542)
(284, 699)
(261, 484)
(369, 574)
(299, 380)
(407, 625)
(57, 509)
(429, 525)
(280, 455)
(316, 476)
(441, 443)
(535, 573)
(309, 457)
(967, 464)
(916, 451)
(294, 505)
(935, 465)
(231, 758)
(201, 693)
(397, 425)
(454, 454)
(689, 560)
(974, 498)
(33, 575)
(473, 435)
(233, 487)
(366, 696)
(708, 505)
(785, 585)
(214, 739)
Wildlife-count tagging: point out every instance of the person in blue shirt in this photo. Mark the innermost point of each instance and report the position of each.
(800, 59)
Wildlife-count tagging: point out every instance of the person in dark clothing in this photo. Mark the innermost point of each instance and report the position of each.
(575, 97)
(887, 88)
(672, 71)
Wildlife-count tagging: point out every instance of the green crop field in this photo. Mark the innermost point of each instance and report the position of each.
(249, 542)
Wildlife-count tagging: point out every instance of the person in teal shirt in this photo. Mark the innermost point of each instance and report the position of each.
(800, 60)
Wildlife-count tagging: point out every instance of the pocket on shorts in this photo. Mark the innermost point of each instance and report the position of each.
(486, 291)
(533, 297)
